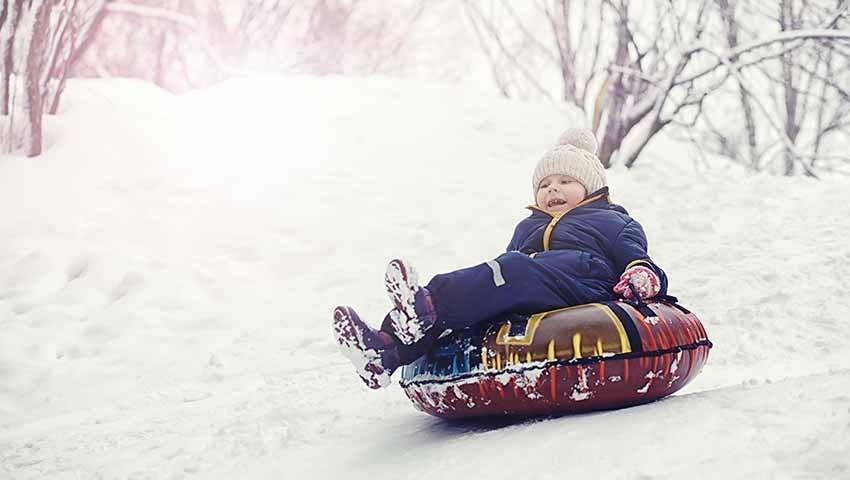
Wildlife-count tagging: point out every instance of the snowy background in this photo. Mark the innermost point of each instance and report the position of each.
(169, 266)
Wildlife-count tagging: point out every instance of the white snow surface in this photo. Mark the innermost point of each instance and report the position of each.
(169, 266)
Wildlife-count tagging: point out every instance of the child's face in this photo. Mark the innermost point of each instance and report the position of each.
(559, 193)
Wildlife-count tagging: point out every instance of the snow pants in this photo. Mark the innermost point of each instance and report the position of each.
(517, 283)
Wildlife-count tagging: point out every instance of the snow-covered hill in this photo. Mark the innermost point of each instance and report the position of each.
(169, 266)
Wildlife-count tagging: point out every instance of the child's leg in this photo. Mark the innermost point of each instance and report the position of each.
(414, 314)
(407, 353)
(372, 352)
(376, 354)
(512, 283)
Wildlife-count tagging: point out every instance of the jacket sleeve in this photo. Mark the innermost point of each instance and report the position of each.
(521, 233)
(515, 239)
(630, 249)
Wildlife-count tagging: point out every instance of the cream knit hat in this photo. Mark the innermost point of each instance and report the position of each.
(574, 155)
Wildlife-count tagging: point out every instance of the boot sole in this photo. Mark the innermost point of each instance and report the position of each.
(401, 284)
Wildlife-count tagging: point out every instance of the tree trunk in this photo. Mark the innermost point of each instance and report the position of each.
(327, 35)
(792, 128)
(32, 77)
(568, 60)
(613, 135)
(9, 18)
(5, 70)
(727, 11)
(159, 59)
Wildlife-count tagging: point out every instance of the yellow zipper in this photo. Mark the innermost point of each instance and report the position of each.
(549, 228)
(557, 218)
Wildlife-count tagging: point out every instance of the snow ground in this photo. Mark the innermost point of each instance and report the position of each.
(169, 266)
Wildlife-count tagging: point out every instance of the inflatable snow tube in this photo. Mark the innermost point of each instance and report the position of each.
(589, 357)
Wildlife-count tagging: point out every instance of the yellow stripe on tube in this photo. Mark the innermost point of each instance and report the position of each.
(577, 345)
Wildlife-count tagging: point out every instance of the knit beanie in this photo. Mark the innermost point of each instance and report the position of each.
(574, 155)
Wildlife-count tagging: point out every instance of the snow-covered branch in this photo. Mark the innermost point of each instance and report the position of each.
(733, 55)
(788, 36)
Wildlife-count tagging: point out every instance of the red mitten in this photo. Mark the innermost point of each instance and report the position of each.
(643, 278)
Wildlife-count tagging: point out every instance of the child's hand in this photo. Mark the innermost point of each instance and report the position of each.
(643, 278)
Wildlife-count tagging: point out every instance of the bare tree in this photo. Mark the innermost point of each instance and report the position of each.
(636, 69)
(628, 80)
(24, 28)
(794, 86)
(39, 41)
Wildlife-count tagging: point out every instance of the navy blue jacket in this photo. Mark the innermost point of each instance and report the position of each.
(553, 261)
(596, 240)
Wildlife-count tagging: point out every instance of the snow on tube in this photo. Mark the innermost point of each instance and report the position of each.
(589, 357)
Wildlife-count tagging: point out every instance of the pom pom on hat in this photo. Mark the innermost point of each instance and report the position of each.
(574, 155)
(579, 138)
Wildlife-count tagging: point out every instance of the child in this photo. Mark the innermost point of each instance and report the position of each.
(576, 247)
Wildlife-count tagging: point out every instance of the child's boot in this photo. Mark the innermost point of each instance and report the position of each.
(414, 314)
(374, 353)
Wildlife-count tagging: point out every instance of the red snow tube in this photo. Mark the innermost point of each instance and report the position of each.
(590, 357)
